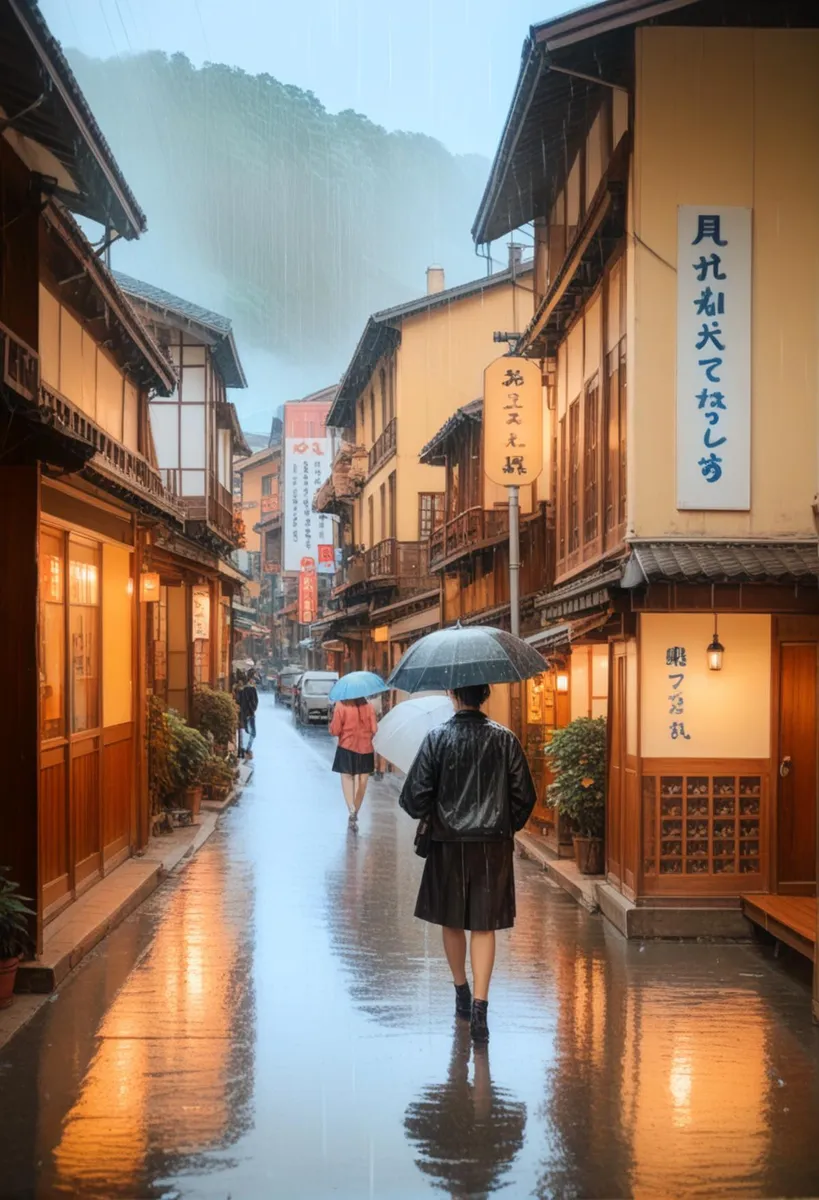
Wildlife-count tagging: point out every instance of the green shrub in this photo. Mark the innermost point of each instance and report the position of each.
(217, 772)
(215, 713)
(189, 751)
(161, 776)
(577, 755)
(15, 940)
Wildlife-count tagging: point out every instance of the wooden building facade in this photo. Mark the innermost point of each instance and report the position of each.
(713, 766)
(83, 503)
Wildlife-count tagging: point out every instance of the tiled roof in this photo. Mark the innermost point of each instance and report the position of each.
(211, 323)
(433, 453)
(721, 562)
(40, 94)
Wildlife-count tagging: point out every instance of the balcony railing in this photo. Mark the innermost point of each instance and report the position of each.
(113, 459)
(21, 365)
(215, 509)
(384, 446)
(470, 529)
(391, 559)
(352, 572)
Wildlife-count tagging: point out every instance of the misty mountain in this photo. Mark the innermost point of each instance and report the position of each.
(295, 222)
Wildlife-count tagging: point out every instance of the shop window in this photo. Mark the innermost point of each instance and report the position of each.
(52, 634)
(84, 631)
(702, 824)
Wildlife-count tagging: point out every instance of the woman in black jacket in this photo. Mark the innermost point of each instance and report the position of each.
(471, 780)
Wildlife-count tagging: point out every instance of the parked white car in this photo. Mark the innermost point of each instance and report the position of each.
(314, 696)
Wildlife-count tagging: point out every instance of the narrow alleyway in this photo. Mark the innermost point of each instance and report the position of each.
(274, 1023)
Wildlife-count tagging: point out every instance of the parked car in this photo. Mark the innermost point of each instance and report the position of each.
(314, 696)
(287, 677)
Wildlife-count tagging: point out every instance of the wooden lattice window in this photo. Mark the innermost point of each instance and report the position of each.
(622, 448)
(430, 513)
(564, 490)
(591, 446)
(574, 476)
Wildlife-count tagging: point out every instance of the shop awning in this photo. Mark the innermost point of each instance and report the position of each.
(560, 637)
(721, 562)
(588, 591)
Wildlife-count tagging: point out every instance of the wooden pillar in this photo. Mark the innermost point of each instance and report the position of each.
(20, 727)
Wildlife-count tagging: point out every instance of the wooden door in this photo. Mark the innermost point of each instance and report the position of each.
(616, 797)
(796, 805)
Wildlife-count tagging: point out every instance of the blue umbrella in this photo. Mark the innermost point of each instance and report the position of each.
(357, 685)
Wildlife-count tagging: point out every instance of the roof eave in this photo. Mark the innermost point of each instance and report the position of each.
(133, 221)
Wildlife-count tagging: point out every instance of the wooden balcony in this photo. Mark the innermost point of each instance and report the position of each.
(21, 365)
(117, 463)
(404, 563)
(214, 510)
(470, 530)
(384, 447)
(354, 571)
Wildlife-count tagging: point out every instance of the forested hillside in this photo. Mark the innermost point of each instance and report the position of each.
(297, 221)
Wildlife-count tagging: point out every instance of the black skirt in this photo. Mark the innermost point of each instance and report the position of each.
(347, 762)
(469, 885)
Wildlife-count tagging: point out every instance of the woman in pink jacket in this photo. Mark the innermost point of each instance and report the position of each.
(354, 724)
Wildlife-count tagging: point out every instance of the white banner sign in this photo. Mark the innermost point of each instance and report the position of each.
(307, 465)
(713, 358)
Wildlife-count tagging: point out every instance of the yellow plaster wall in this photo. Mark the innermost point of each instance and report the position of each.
(727, 713)
(728, 116)
(439, 368)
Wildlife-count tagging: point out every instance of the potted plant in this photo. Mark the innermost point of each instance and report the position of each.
(189, 752)
(15, 941)
(215, 715)
(578, 758)
(218, 776)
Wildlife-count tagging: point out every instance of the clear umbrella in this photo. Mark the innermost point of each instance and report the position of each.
(401, 731)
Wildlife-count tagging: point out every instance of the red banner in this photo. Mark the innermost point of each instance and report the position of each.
(308, 592)
(326, 558)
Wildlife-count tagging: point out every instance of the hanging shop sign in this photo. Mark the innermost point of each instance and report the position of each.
(308, 592)
(513, 421)
(307, 461)
(713, 358)
(327, 559)
(200, 596)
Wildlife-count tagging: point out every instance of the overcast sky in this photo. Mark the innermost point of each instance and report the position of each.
(442, 67)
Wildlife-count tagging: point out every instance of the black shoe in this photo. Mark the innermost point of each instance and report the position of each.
(463, 1001)
(479, 1027)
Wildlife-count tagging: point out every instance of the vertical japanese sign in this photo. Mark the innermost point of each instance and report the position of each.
(713, 358)
(308, 592)
(676, 659)
(306, 466)
(200, 615)
(513, 421)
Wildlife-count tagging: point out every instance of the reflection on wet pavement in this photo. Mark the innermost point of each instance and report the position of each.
(274, 1022)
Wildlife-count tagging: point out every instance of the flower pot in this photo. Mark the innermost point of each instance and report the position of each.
(588, 854)
(8, 974)
(192, 800)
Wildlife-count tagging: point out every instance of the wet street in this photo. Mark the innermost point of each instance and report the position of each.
(273, 1022)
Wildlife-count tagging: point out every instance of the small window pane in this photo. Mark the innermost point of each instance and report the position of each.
(165, 430)
(193, 385)
(193, 436)
(52, 636)
(193, 356)
(84, 620)
(193, 483)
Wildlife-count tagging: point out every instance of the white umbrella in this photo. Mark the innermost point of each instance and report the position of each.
(404, 728)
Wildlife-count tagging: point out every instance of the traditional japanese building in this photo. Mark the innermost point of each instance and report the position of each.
(415, 366)
(676, 335)
(195, 432)
(84, 505)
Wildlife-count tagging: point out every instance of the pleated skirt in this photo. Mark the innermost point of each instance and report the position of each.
(469, 885)
(349, 762)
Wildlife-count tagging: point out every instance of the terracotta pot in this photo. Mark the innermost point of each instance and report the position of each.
(588, 854)
(8, 974)
(192, 800)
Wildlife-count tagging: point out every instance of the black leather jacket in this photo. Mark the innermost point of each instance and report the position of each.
(472, 777)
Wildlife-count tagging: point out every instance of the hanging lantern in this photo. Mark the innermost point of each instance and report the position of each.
(149, 587)
(715, 651)
(562, 681)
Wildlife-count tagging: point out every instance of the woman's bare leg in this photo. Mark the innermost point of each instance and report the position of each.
(361, 782)
(348, 788)
(455, 950)
(482, 954)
